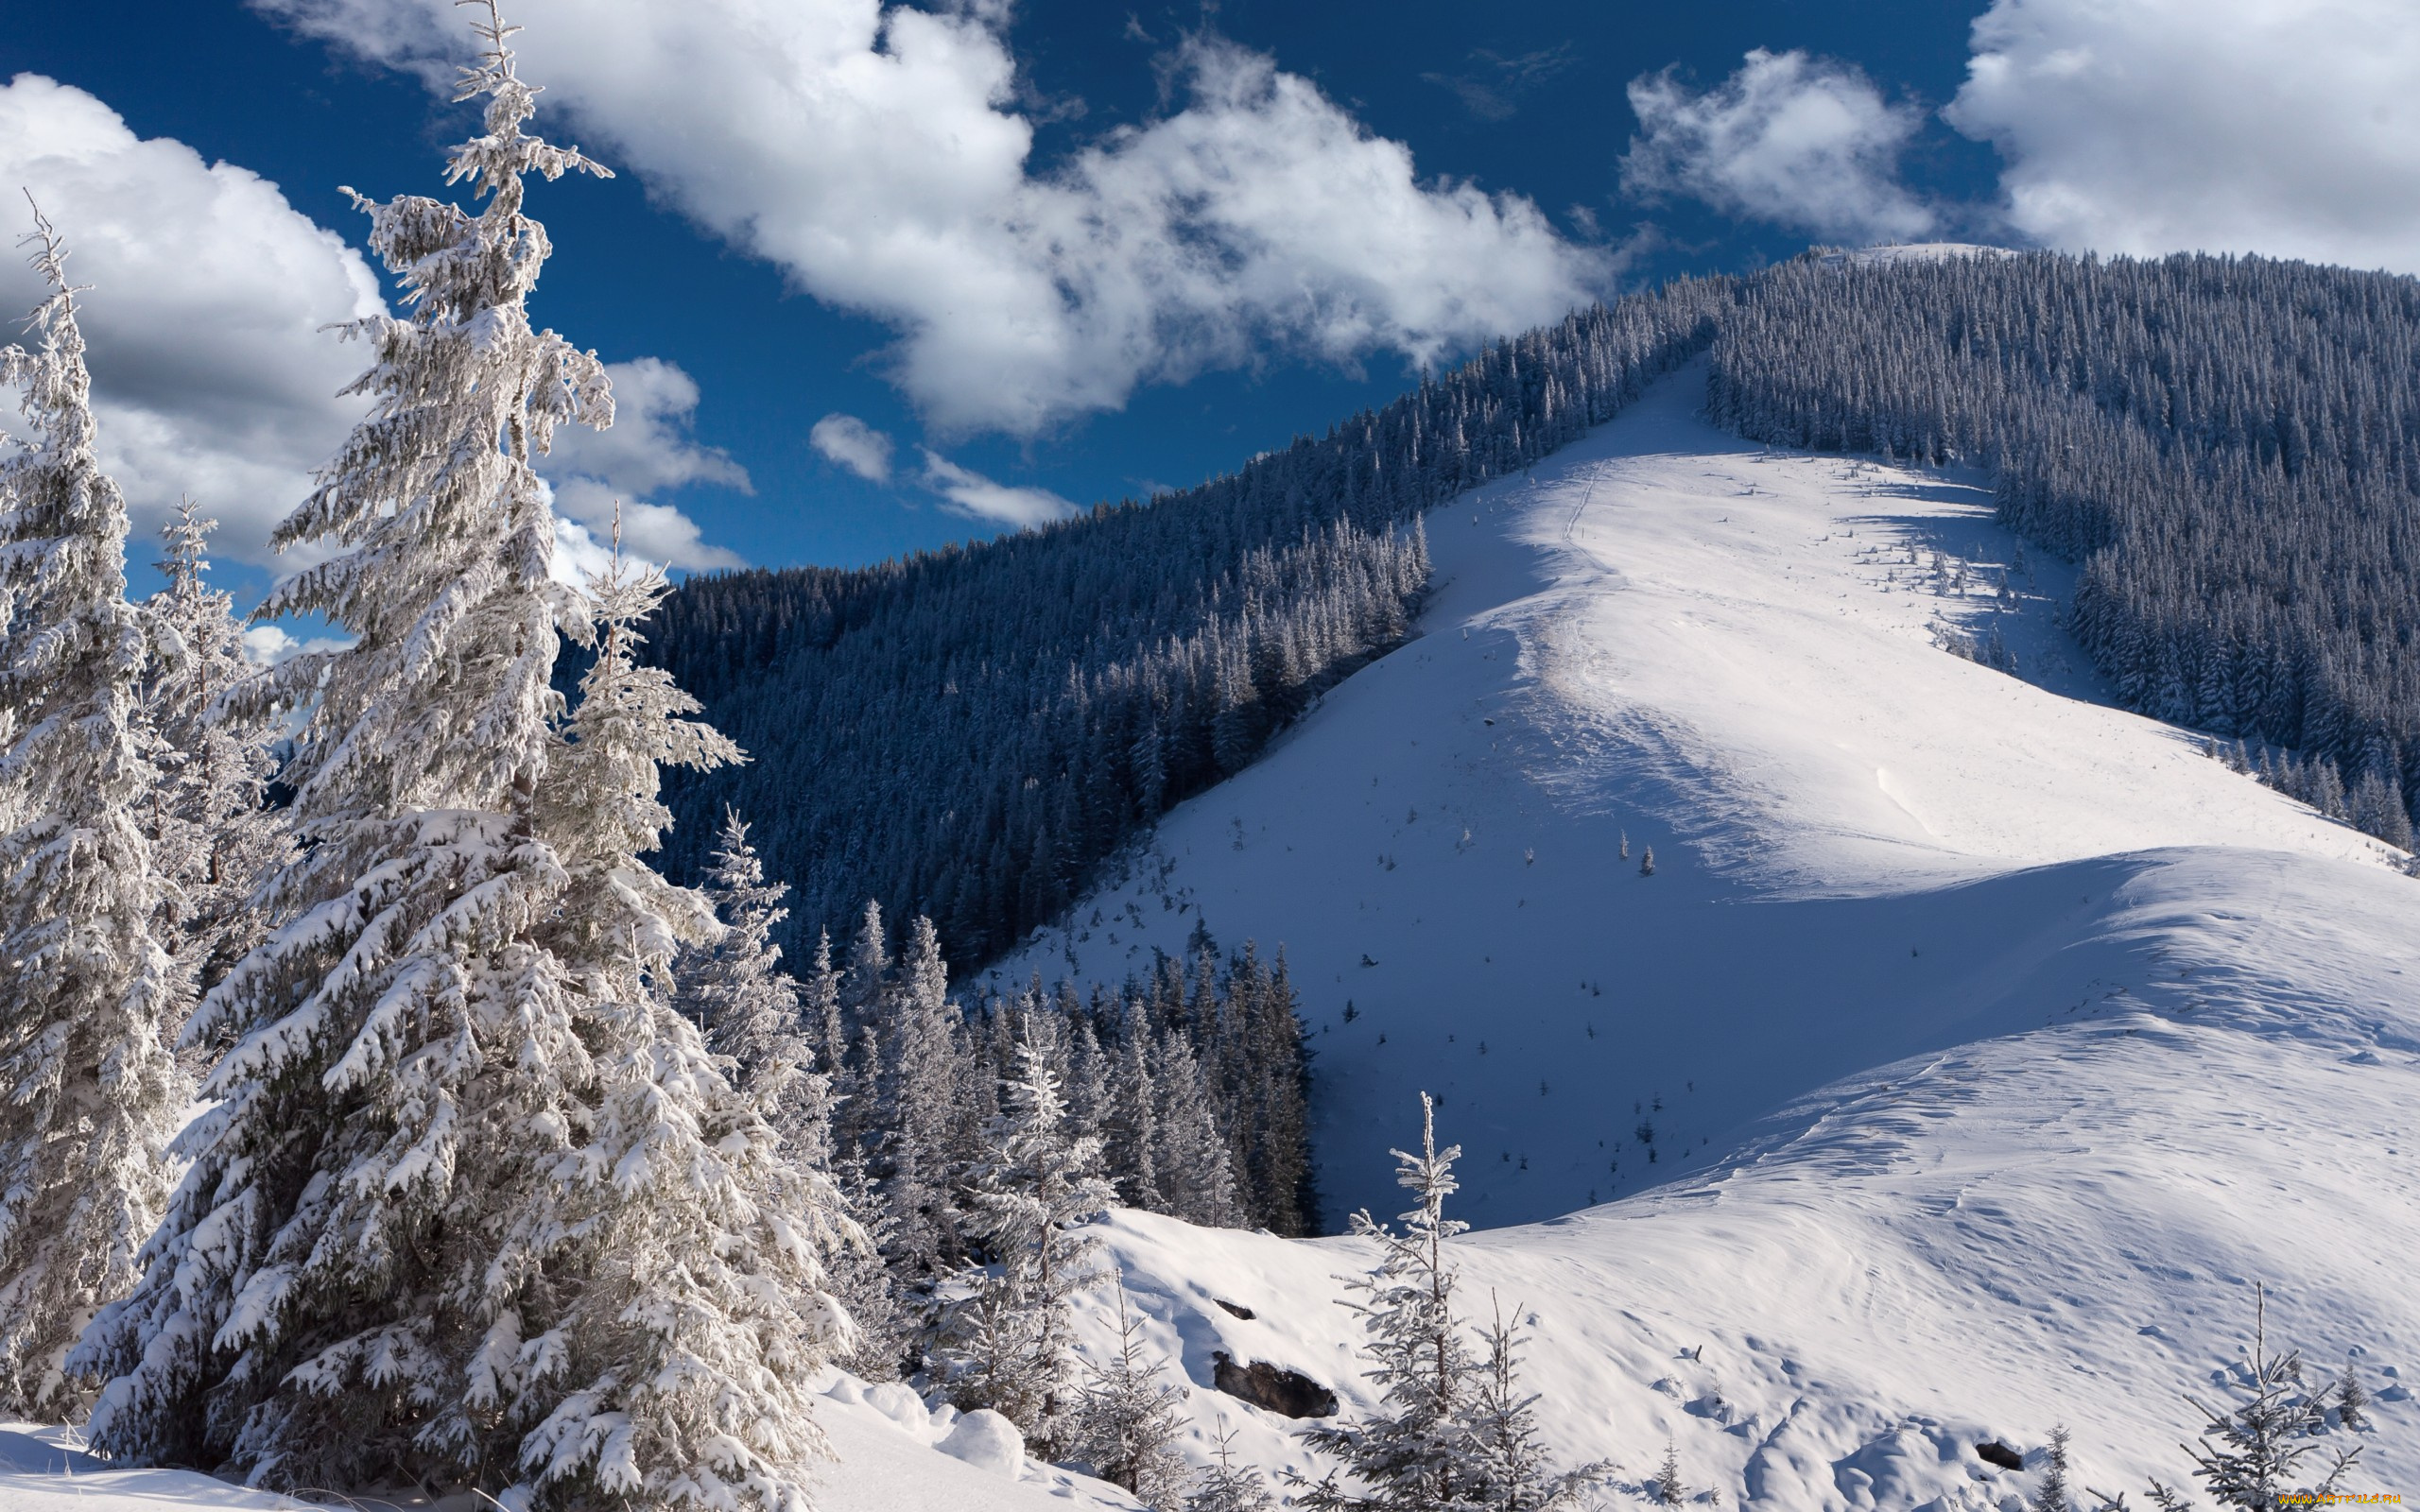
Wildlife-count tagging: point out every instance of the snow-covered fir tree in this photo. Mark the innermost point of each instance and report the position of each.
(682, 1232)
(1130, 1131)
(2053, 1494)
(2250, 1454)
(1453, 1431)
(750, 1009)
(90, 1092)
(214, 836)
(1199, 1183)
(1416, 1452)
(1006, 1346)
(917, 1095)
(1511, 1469)
(366, 1274)
(1667, 1488)
(1227, 1486)
(1126, 1419)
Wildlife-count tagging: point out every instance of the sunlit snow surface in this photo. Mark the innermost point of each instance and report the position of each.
(2003, 1041)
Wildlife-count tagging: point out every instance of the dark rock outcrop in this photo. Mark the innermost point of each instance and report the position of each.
(1289, 1393)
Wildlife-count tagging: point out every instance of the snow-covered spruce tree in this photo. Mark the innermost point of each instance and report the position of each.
(1130, 1131)
(1126, 1420)
(916, 1097)
(1666, 1487)
(2052, 1495)
(1511, 1469)
(681, 1240)
(334, 1294)
(1199, 1183)
(90, 1093)
(214, 836)
(750, 1007)
(2249, 1456)
(1005, 1347)
(1227, 1486)
(1416, 1451)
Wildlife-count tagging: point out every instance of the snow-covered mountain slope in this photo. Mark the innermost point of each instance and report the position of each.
(1993, 1041)
(1866, 848)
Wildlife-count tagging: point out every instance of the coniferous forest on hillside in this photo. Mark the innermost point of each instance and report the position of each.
(2229, 447)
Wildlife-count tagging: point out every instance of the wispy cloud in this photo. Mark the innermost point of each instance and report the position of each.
(850, 442)
(1797, 140)
(1493, 90)
(978, 497)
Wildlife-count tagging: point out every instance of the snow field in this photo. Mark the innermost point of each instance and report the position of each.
(1990, 1041)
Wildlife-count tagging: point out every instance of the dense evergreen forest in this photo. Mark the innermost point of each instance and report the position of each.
(966, 733)
(2229, 446)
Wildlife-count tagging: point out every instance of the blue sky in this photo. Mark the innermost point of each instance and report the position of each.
(1070, 252)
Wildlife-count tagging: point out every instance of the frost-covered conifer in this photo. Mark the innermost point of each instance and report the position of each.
(681, 1241)
(1006, 1346)
(1126, 1421)
(917, 1096)
(2250, 1455)
(1666, 1487)
(1227, 1486)
(1196, 1174)
(214, 836)
(1132, 1130)
(90, 1093)
(1511, 1470)
(339, 1286)
(1416, 1451)
(750, 1007)
(2053, 1494)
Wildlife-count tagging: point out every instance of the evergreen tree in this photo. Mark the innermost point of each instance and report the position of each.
(1132, 1134)
(1511, 1470)
(1126, 1421)
(2053, 1494)
(343, 1281)
(919, 1092)
(683, 1238)
(749, 1007)
(90, 1093)
(1416, 1452)
(214, 836)
(1227, 1486)
(2249, 1456)
(1005, 1347)
(1198, 1184)
(1667, 1484)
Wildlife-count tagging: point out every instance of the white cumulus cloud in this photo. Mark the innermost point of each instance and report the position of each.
(978, 497)
(211, 376)
(648, 449)
(852, 443)
(212, 373)
(1788, 138)
(878, 153)
(2285, 126)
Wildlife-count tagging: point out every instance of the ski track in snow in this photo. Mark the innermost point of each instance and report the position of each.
(1993, 1041)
